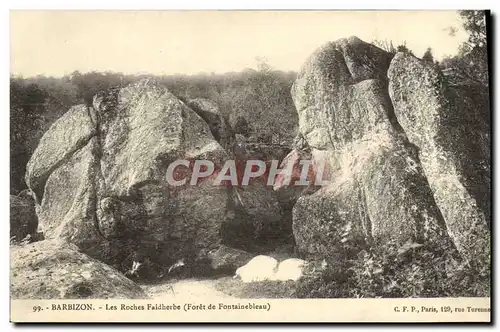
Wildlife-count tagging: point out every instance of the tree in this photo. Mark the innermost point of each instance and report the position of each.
(472, 59)
(388, 46)
(26, 108)
(262, 65)
(385, 45)
(428, 56)
(474, 22)
(89, 84)
(475, 50)
(403, 48)
(262, 97)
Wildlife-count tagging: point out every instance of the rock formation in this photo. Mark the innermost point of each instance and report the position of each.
(57, 270)
(378, 191)
(218, 124)
(99, 175)
(453, 137)
(405, 155)
(66, 136)
(227, 259)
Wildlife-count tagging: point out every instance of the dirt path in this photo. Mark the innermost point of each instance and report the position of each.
(222, 288)
(185, 289)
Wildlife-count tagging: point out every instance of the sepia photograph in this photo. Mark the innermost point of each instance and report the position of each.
(250, 166)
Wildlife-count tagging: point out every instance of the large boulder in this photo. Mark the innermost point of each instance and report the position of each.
(57, 270)
(68, 206)
(66, 136)
(330, 72)
(218, 124)
(384, 197)
(23, 219)
(108, 193)
(227, 259)
(447, 123)
(376, 188)
(290, 183)
(260, 151)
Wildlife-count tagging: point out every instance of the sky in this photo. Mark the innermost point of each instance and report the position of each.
(56, 43)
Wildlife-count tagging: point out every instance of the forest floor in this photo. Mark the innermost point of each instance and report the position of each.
(223, 287)
(220, 288)
(187, 288)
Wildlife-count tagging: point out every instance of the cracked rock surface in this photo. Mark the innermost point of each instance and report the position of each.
(405, 149)
(54, 269)
(447, 123)
(382, 126)
(99, 174)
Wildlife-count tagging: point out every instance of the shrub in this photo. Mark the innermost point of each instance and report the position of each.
(411, 270)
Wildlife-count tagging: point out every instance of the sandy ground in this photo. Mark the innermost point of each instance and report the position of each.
(187, 288)
(194, 288)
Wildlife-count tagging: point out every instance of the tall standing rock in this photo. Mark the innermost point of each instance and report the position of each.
(68, 206)
(447, 123)
(329, 73)
(377, 190)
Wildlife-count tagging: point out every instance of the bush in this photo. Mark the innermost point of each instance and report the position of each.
(412, 270)
(256, 290)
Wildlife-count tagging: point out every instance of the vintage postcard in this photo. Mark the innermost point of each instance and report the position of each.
(250, 166)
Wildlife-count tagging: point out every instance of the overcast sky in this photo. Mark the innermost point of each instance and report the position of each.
(57, 43)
